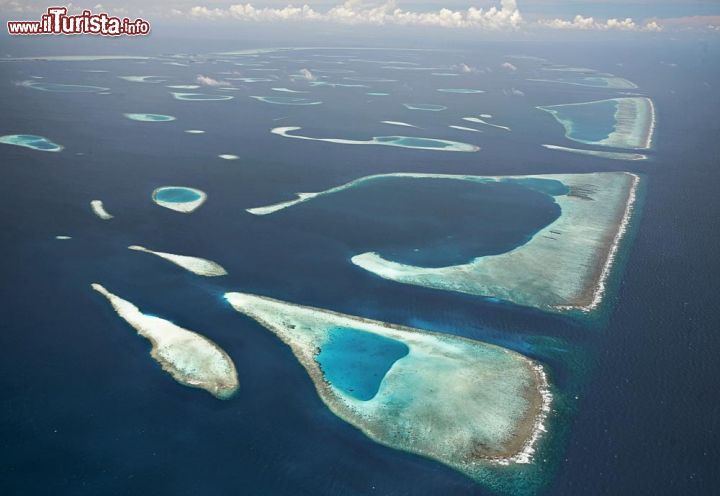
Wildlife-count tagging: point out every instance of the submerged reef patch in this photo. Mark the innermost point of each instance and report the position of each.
(150, 117)
(62, 88)
(425, 106)
(31, 141)
(399, 141)
(200, 97)
(143, 79)
(286, 100)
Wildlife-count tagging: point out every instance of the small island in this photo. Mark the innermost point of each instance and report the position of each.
(179, 198)
(196, 265)
(191, 359)
(150, 117)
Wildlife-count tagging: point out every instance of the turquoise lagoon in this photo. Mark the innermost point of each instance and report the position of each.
(31, 141)
(465, 403)
(177, 195)
(179, 198)
(356, 361)
(626, 122)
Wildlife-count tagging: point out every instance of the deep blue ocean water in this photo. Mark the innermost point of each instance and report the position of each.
(86, 411)
(425, 222)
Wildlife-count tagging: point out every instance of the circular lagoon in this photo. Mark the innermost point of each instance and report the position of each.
(179, 198)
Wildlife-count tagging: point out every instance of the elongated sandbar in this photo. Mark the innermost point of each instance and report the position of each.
(196, 265)
(398, 123)
(150, 117)
(425, 106)
(191, 359)
(464, 403)
(477, 120)
(99, 209)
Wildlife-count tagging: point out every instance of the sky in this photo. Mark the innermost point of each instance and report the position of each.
(640, 16)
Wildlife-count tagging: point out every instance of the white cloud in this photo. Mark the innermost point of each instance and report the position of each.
(208, 81)
(504, 16)
(356, 12)
(508, 66)
(307, 75)
(589, 23)
(513, 92)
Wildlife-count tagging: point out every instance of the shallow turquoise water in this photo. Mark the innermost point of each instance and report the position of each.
(176, 195)
(587, 122)
(550, 187)
(356, 362)
(30, 141)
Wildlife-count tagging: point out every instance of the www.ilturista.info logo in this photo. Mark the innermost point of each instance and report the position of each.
(57, 21)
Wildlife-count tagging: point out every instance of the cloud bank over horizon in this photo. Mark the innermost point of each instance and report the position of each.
(505, 16)
(491, 16)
